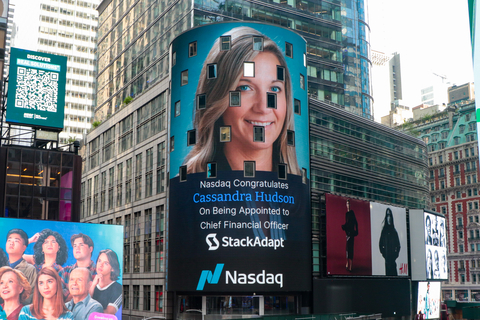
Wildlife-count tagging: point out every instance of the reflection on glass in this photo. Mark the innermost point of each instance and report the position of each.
(235, 97)
(249, 169)
(225, 135)
(249, 69)
(258, 43)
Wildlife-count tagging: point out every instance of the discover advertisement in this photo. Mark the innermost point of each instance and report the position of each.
(239, 208)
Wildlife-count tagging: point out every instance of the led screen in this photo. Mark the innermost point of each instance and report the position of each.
(435, 247)
(239, 191)
(428, 300)
(60, 262)
(36, 89)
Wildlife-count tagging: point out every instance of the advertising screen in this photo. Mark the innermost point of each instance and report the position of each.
(75, 268)
(461, 295)
(435, 247)
(36, 89)
(239, 211)
(348, 236)
(389, 240)
(428, 301)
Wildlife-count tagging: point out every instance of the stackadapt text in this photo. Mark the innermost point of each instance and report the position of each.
(237, 196)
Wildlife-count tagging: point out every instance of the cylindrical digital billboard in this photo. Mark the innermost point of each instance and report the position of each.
(239, 207)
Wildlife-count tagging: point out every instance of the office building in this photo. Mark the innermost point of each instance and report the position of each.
(461, 93)
(66, 28)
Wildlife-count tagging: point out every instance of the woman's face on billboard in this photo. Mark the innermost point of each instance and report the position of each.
(50, 246)
(47, 286)
(9, 286)
(253, 110)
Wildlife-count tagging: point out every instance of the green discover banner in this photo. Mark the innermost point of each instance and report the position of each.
(36, 89)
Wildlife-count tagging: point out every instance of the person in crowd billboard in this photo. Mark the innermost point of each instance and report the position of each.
(14, 290)
(50, 250)
(389, 244)
(3, 258)
(48, 302)
(351, 231)
(82, 304)
(256, 106)
(105, 288)
(17, 243)
(429, 264)
(428, 227)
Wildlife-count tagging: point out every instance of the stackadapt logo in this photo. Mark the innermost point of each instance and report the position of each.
(235, 277)
(229, 242)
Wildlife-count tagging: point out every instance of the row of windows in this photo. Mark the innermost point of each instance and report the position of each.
(468, 152)
(150, 294)
(442, 183)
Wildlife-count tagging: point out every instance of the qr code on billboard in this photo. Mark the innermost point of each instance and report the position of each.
(36, 89)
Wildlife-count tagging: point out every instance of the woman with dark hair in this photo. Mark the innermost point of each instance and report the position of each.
(389, 244)
(238, 102)
(3, 258)
(14, 290)
(48, 300)
(50, 250)
(351, 231)
(105, 289)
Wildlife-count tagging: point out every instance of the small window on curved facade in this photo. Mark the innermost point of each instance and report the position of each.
(172, 143)
(211, 170)
(258, 43)
(225, 43)
(304, 175)
(177, 108)
(225, 135)
(280, 73)
(191, 137)
(282, 171)
(174, 59)
(192, 49)
(182, 173)
(289, 50)
(201, 101)
(211, 71)
(291, 138)
(249, 69)
(302, 81)
(271, 100)
(304, 59)
(258, 133)
(184, 78)
(297, 106)
(249, 169)
(235, 98)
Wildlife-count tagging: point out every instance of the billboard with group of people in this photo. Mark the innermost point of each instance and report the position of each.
(60, 270)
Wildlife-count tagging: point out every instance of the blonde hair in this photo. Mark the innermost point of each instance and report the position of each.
(22, 281)
(208, 121)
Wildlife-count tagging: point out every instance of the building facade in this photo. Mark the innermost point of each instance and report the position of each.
(66, 28)
(451, 138)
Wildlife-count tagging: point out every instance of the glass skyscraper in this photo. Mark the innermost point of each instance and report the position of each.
(133, 42)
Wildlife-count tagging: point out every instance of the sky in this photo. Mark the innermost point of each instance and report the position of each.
(432, 36)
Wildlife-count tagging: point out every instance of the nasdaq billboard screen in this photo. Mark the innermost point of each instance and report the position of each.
(239, 212)
(36, 89)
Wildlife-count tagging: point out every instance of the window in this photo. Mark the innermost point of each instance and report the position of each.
(304, 176)
(459, 207)
(147, 243)
(290, 138)
(280, 73)
(444, 210)
(177, 108)
(461, 128)
(457, 168)
(455, 155)
(211, 170)
(442, 184)
(459, 194)
(432, 186)
(442, 197)
(235, 97)
(158, 299)
(192, 49)
(211, 71)
(271, 100)
(472, 151)
(289, 50)
(460, 234)
(474, 277)
(172, 143)
(470, 219)
(440, 159)
(160, 180)
(184, 78)
(258, 43)
(430, 161)
(159, 228)
(470, 206)
(201, 101)
(183, 173)
(282, 171)
(459, 221)
(466, 153)
(441, 173)
(249, 69)
(174, 59)
(432, 174)
(126, 297)
(249, 169)
(258, 133)
(472, 247)
(146, 298)
(297, 106)
(457, 181)
(191, 137)
(136, 297)
(225, 43)
(302, 82)
(444, 134)
(225, 135)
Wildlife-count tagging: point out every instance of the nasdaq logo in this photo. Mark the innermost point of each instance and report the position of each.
(212, 241)
(208, 277)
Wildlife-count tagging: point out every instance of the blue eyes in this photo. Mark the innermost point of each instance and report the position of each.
(244, 88)
(248, 88)
(275, 89)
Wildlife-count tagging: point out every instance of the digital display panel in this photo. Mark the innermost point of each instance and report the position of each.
(239, 210)
(36, 89)
(80, 262)
(428, 300)
(435, 247)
